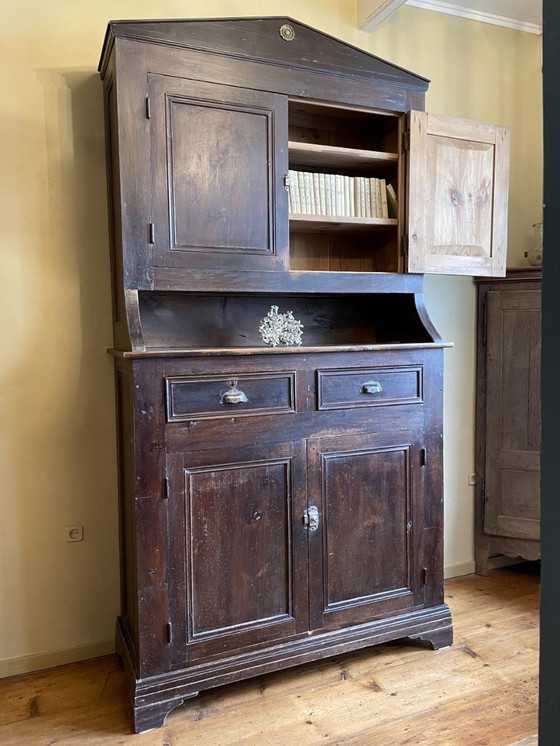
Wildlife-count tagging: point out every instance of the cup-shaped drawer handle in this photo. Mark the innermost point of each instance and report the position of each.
(371, 387)
(234, 395)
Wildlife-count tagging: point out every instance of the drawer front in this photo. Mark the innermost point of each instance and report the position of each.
(229, 395)
(369, 387)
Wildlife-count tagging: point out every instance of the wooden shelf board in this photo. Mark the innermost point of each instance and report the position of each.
(310, 154)
(320, 223)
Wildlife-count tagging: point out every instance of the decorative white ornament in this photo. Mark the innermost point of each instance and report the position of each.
(280, 329)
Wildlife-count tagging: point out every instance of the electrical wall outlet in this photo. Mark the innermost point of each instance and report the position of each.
(74, 533)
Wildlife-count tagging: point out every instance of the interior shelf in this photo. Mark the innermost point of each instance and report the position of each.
(329, 156)
(338, 223)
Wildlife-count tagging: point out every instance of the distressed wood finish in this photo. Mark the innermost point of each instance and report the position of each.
(508, 418)
(219, 563)
(459, 172)
(278, 505)
(388, 695)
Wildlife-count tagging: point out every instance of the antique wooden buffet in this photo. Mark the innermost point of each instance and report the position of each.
(279, 504)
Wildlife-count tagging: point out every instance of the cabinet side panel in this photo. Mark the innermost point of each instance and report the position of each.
(430, 560)
(129, 607)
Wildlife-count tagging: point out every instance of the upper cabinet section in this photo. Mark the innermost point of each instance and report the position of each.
(458, 187)
(251, 155)
(219, 156)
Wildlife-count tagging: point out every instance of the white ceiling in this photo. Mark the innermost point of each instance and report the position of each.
(524, 15)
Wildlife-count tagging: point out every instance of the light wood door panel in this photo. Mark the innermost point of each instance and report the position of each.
(457, 201)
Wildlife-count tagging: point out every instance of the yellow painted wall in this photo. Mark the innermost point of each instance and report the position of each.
(58, 601)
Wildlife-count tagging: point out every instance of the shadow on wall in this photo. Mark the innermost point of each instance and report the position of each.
(62, 596)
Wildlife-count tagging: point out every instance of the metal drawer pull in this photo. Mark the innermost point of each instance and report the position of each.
(311, 518)
(371, 387)
(234, 395)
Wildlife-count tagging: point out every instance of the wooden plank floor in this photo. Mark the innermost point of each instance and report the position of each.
(482, 691)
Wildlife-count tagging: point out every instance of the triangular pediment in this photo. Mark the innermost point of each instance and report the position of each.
(273, 40)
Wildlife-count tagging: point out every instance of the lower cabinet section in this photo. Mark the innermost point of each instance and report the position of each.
(239, 548)
(362, 556)
(256, 539)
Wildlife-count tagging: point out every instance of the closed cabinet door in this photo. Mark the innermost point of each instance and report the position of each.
(238, 548)
(218, 163)
(365, 549)
(513, 414)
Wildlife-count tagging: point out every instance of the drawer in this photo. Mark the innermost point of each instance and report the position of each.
(369, 387)
(229, 395)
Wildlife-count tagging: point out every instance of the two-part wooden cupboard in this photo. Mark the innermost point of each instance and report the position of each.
(279, 504)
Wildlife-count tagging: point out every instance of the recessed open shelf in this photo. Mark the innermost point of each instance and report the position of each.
(193, 320)
(332, 157)
(329, 223)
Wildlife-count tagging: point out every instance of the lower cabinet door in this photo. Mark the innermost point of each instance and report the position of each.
(237, 550)
(366, 490)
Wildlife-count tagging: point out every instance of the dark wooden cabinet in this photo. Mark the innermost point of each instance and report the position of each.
(278, 504)
(508, 418)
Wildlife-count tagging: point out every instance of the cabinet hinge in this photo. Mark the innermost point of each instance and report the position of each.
(148, 108)
(404, 247)
(406, 141)
(482, 501)
(424, 575)
(151, 233)
(287, 182)
(166, 488)
(169, 628)
(423, 457)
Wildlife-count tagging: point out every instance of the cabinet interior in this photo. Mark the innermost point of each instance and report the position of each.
(351, 142)
(193, 320)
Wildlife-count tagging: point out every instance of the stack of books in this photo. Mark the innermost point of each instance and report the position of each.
(313, 193)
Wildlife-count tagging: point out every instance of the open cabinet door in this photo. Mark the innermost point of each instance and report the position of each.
(458, 174)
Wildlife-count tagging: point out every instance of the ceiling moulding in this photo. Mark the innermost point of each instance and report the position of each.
(371, 13)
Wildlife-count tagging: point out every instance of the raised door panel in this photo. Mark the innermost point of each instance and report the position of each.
(238, 548)
(219, 156)
(457, 197)
(513, 423)
(364, 557)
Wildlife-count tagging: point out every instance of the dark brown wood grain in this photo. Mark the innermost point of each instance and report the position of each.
(508, 418)
(277, 505)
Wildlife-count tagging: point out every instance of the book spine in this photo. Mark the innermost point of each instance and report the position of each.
(383, 196)
(374, 189)
(316, 193)
(328, 195)
(322, 195)
(367, 198)
(392, 202)
(339, 194)
(295, 206)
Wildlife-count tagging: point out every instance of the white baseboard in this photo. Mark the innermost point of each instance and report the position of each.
(28, 663)
(457, 569)
(468, 568)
